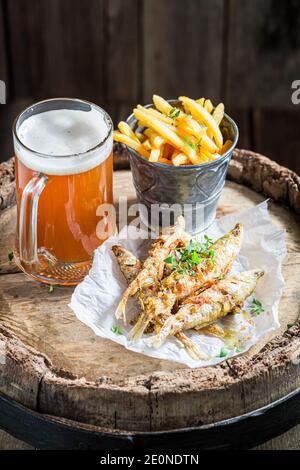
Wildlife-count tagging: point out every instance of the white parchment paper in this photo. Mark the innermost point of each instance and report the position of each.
(95, 300)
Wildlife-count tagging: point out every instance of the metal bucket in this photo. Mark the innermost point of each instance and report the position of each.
(165, 191)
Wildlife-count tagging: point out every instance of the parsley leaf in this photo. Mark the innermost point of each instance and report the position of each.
(51, 288)
(195, 258)
(223, 352)
(199, 143)
(116, 329)
(185, 260)
(290, 325)
(170, 259)
(174, 113)
(256, 307)
(10, 256)
(212, 254)
(207, 241)
(189, 143)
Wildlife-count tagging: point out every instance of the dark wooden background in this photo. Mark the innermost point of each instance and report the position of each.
(118, 52)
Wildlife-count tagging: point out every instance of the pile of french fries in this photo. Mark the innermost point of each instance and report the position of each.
(185, 135)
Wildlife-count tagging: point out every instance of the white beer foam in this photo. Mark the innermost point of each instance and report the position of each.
(62, 137)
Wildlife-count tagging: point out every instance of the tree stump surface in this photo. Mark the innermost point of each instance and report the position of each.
(53, 364)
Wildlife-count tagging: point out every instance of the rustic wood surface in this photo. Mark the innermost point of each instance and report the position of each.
(261, 37)
(132, 48)
(165, 67)
(3, 48)
(7, 442)
(56, 365)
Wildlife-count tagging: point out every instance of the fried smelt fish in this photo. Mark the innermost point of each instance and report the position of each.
(130, 266)
(207, 307)
(178, 285)
(153, 266)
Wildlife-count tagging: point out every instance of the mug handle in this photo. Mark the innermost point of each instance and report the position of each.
(28, 219)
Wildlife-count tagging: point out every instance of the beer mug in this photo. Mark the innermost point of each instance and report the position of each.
(63, 153)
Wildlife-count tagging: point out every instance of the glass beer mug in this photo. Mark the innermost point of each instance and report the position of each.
(63, 151)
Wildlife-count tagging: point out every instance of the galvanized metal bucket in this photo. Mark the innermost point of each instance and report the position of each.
(165, 191)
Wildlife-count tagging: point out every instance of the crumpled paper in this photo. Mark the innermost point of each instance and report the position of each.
(95, 300)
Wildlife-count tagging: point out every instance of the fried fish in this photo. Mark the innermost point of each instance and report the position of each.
(153, 266)
(205, 308)
(130, 267)
(179, 285)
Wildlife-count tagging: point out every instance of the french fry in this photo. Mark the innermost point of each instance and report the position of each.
(208, 144)
(202, 115)
(218, 113)
(147, 144)
(149, 113)
(168, 151)
(201, 101)
(126, 129)
(177, 135)
(188, 126)
(156, 140)
(141, 136)
(154, 155)
(207, 155)
(137, 146)
(169, 135)
(208, 106)
(162, 105)
(226, 146)
(166, 161)
(210, 134)
(180, 159)
(157, 114)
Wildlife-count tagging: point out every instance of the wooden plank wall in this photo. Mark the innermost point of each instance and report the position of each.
(118, 52)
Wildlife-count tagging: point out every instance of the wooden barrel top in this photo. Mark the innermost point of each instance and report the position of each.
(56, 365)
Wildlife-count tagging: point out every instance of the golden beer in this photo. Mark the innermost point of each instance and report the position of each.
(63, 154)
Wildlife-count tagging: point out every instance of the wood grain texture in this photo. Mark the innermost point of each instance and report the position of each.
(122, 51)
(55, 365)
(266, 176)
(56, 49)
(7, 229)
(3, 46)
(7, 184)
(263, 52)
(244, 120)
(7, 442)
(288, 441)
(8, 114)
(276, 133)
(182, 42)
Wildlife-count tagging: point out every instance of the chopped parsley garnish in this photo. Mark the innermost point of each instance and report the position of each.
(186, 260)
(170, 260)
(116, 329)
(256, 307)
(223, 352)
(192, 145)
(290, 325)
(199, 143)
(10, 256)
(189, 143)
(174, 113)
(211, 254)
(51, 288)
